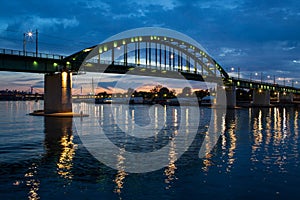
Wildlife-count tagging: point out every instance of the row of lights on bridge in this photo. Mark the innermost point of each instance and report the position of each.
(256, 75)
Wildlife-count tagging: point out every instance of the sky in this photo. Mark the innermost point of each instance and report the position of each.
(254, 36)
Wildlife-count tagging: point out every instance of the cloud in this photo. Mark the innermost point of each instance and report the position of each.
(166, 5)
(225, 51)
(107, 85)
(97, 5)
(3, 25)
(22, 81)
(136, 14)
(217, 4)
(38, 21)
(288, 48)
(296, 61)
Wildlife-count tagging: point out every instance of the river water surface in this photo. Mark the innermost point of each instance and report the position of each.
(256, 156)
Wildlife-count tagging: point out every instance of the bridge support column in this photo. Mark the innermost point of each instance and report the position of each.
(286, 97)
(261, 97)
(220, 100)
(58, 93)
(231, 96)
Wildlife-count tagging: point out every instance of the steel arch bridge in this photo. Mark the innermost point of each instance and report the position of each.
(148, 53)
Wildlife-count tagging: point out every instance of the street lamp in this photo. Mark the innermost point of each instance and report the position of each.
(238, 71)
(29, 35)
(261, 76)
(256, 75)
(268, 78)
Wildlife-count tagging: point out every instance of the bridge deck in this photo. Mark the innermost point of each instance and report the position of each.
(19, 61)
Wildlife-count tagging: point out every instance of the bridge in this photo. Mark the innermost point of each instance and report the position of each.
(147, 55)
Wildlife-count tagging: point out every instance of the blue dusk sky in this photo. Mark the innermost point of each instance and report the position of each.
(255, 36)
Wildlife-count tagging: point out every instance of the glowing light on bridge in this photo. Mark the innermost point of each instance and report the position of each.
(35, 63)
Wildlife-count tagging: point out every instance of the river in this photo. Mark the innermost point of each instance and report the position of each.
(256, 155)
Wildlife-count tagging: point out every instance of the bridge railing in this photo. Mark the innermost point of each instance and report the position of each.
(253, 81)
(31, 54)
(276, 85)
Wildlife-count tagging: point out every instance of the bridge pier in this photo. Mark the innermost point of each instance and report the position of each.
(261, 97)
(231, 96)
(220, 98)
(58, 93)
(286, 97)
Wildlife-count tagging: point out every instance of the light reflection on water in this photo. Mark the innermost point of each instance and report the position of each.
(275, 133)
(257, 155)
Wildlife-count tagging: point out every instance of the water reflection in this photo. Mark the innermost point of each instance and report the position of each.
(170, 169)
(59, 143)
(216, 130)
(229, 139)
(32, 182)
(121, 174)
(272, 135)
(59, 146)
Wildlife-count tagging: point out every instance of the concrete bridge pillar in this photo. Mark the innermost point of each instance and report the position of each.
(286, 97)
(58, 93)
(261, 97)
(231, 96)
(220, 97)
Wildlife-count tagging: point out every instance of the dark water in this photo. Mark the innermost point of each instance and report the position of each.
(257, 156)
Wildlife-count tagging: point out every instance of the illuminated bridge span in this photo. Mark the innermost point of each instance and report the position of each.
(146, 55)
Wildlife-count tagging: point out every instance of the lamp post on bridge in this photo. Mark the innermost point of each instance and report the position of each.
(255, 74)
(238, 71)
(30, 34)
(270, 79)
(282, 79)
